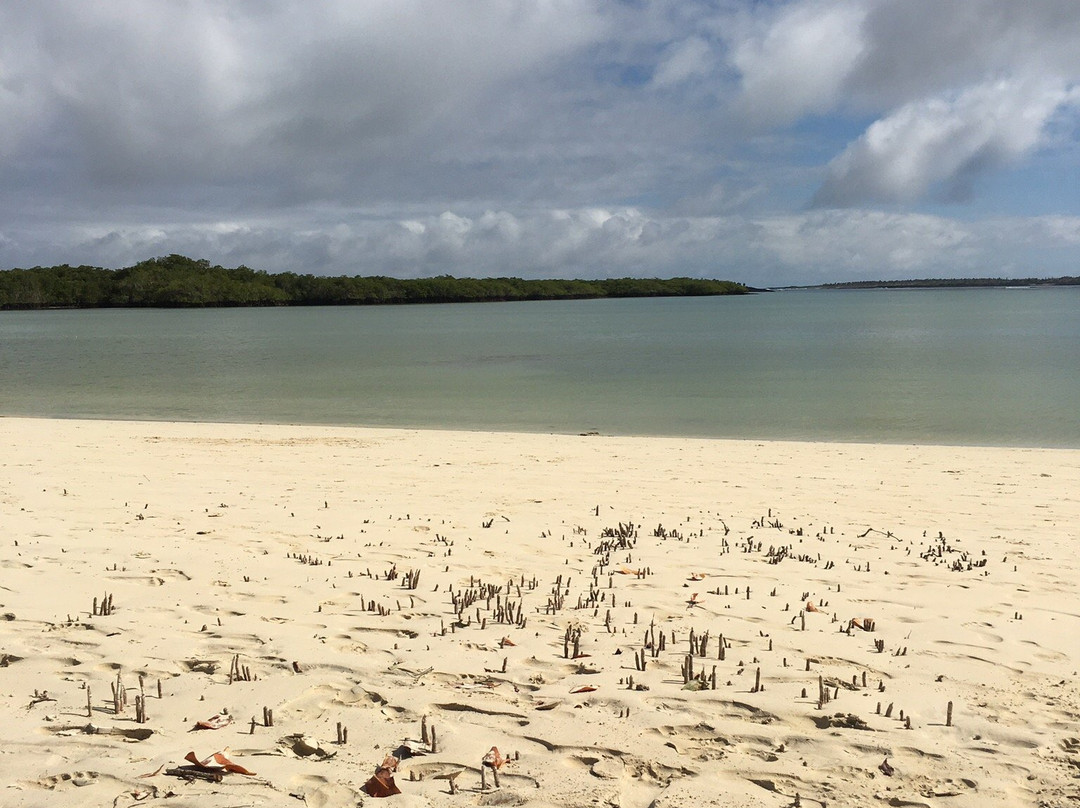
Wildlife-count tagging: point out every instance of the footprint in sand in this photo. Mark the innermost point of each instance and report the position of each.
(318, 792)
(69, 778)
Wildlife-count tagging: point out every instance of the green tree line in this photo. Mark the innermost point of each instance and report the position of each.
(176, 281)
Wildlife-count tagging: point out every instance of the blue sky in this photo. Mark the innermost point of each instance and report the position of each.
(769, 142)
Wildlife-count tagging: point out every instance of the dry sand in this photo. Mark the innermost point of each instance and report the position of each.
(286, 551)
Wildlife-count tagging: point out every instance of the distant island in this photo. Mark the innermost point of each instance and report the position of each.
(176, 281)
(943, 283)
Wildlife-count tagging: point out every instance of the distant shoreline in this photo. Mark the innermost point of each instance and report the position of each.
(947, 283)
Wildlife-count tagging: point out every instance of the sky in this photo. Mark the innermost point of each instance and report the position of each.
(762, 141)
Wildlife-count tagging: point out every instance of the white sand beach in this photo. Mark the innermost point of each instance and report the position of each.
(298, 584)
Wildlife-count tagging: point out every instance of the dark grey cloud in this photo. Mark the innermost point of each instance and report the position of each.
(309, 95)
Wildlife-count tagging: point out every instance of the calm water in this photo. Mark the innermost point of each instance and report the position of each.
(996, 367)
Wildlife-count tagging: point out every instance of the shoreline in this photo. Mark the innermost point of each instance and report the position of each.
(287, 548)
(586, 433)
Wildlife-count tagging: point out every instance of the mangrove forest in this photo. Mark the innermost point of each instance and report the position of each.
(176, 281)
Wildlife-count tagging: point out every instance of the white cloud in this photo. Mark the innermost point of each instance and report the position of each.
(868, 244)
(800, 61)
(690, 58)
(946, 140)
(1060, 230)
(958, 89)
(810, 247)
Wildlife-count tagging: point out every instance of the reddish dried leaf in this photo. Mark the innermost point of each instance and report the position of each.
(382, 784)
(493, 759)
(217, 762)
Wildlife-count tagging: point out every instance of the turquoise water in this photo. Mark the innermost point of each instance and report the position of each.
(972, 366)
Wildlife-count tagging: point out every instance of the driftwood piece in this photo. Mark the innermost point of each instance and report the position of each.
(190, 773)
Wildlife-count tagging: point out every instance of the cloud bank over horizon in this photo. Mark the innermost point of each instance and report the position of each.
(768, 142)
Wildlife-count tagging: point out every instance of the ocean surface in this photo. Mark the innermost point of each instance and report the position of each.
(997, 367)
